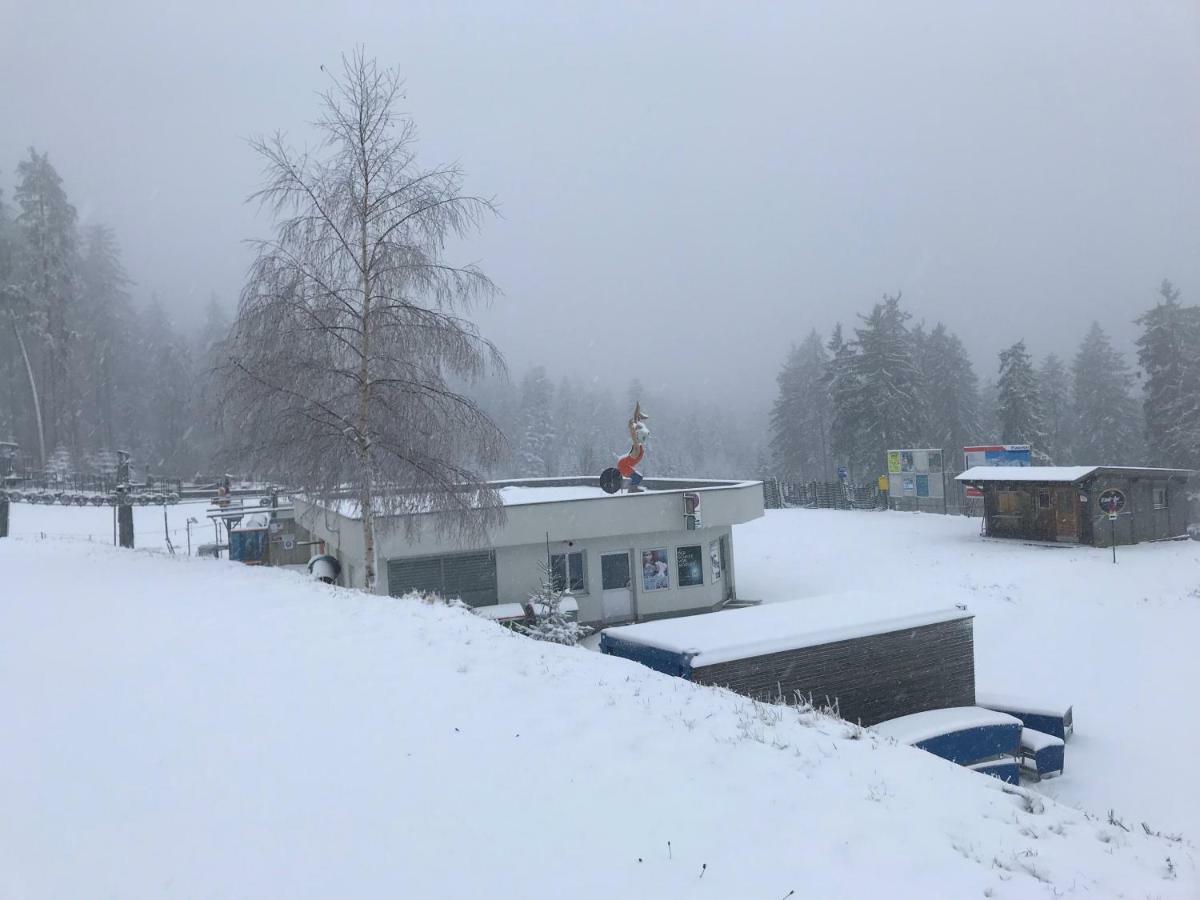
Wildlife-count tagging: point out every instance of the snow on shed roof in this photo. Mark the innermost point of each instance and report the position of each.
(1066, 474)
(731, 634)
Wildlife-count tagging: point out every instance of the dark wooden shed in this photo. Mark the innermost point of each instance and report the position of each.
(1062, 503)
(871, 657)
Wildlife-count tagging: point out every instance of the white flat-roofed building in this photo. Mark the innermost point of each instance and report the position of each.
(625, 557)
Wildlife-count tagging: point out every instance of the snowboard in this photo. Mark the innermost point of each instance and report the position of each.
(611, 480)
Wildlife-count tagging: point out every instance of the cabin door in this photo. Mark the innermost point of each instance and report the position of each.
(617, 591)
(1066, 514)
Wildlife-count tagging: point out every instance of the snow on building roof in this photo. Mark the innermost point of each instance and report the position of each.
(517, 495)
(254, 522)
(778, 627)
(922, 726)
(1065, 474)
(543, 490)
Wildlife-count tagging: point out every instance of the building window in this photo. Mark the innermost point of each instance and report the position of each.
(1043, 499)
(568, 572)
(1160, 498)
(656, 570)
(1008, 503)
(689, 561)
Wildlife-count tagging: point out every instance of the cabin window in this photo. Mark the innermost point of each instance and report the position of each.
(1044, 499)
(1008, 503)
(689, 561)
(568, 571)
(1160, 498)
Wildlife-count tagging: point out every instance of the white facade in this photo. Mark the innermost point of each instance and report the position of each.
(553, 517)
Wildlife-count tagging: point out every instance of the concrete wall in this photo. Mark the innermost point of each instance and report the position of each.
(518, 573)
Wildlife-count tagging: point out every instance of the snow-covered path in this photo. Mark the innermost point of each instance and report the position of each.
(194, 728)
(1119, 642)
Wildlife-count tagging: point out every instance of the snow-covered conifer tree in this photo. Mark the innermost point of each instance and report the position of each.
(1107, 420)
(538, 448)
(889, 384)
(46, 255)
(1055, 389)
(951, 393)
(800, 417)
(1019, 403)
(1169, 357)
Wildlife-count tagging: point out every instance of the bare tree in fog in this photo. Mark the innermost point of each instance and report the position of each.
(347, 337)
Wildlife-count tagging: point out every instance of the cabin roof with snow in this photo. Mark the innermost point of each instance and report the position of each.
(1063, 474)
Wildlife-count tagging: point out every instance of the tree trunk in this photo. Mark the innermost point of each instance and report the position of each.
(367, 494)
(37, 406)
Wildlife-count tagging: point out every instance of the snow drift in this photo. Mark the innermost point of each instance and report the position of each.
(188, 728)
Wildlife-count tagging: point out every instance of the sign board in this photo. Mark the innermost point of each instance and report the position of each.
(996, 455)
(289, 542)
(917, 473)
(1112, 502)
(843, 474)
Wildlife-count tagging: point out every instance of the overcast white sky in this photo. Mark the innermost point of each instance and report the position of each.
(686, 187)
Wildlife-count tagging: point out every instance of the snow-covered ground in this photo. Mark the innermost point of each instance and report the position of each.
(1118, 642)
(94, 524)
(195, 728)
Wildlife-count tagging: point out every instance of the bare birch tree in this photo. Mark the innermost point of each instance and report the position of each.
(349, 337)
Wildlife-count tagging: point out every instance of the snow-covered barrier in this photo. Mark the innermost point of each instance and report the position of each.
(1043, 753)
(1048, 718)
(868, 656)
(964, 735)
(1006, 768)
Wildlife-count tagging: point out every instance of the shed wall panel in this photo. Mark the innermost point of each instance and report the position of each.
(871, 679)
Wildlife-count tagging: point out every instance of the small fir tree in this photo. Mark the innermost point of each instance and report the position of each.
(548, 621)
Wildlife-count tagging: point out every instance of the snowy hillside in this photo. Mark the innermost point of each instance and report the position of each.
(193, 728)
(1052, 623)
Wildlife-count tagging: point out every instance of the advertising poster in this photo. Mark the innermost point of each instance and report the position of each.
(656, 570)
(714, 556)
(894, 462)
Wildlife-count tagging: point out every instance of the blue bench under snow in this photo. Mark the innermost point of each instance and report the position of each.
(1047, 718)
(966, 735)
(1006, 768)
(1044, 753)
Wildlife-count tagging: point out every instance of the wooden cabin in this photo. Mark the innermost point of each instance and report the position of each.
(1062, 503)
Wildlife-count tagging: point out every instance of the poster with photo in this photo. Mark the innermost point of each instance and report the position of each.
(714, 556)
(656, 570)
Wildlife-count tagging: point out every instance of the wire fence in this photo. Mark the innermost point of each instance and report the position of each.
(780, 493)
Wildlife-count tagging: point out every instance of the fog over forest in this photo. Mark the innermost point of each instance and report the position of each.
(685, 193)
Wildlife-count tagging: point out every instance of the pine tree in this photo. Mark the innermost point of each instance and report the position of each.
(1169, 356)
(47, 249)
(1022, 420)
(12, 376)
(105, 325)
(1106, 415)
(844, 386)
(169, 411)
(951, 390)
(1055, 388)
(537, 450)
(800, 417)
(889, 384)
